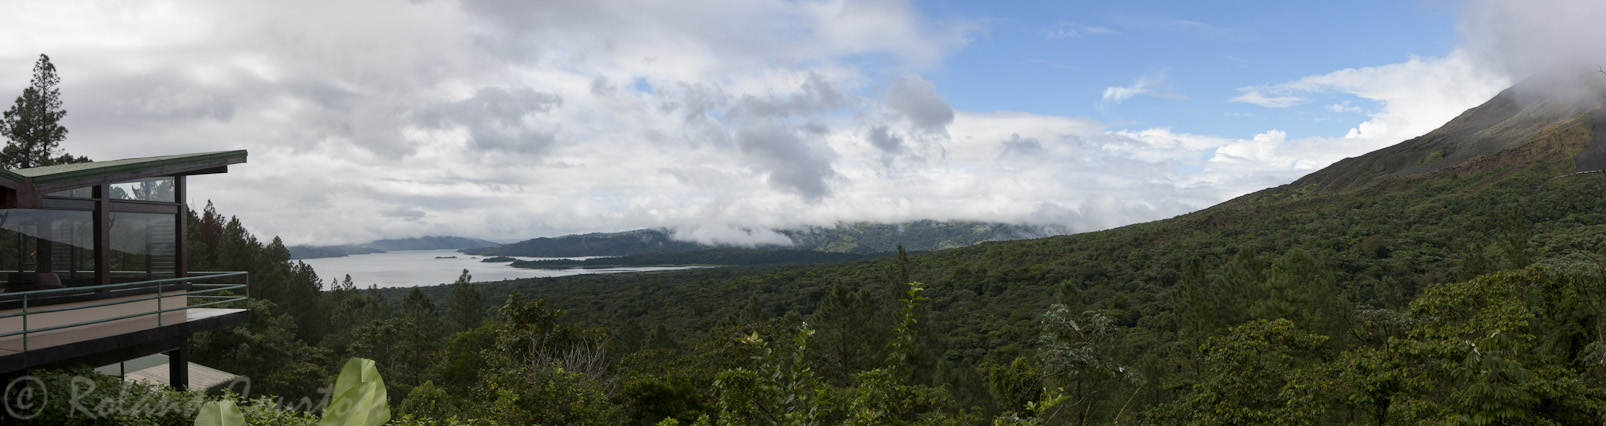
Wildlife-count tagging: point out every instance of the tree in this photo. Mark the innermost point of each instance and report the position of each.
(32, 126)
(1513, 239)
(464, 310)
(1077, 355)
(848, 330)
(629, 338)
(1261, 372)
(1301, 290)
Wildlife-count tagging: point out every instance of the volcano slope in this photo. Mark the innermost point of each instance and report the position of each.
(1454, 277)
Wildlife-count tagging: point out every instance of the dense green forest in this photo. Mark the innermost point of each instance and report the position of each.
(708, 257)
(1473, 293)
(856, 238)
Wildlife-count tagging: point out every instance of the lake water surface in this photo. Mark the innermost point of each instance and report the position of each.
(412, 268)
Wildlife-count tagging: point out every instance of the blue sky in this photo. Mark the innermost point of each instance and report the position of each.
(1058, 57)
(721, 119)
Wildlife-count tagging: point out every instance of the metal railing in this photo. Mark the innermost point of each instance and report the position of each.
(196, 291)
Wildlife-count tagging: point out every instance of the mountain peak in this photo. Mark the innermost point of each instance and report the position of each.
(1519, 114)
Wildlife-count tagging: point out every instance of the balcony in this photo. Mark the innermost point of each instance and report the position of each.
(108, 323)
(94, 263)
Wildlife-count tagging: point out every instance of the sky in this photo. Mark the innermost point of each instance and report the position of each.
(509, 120)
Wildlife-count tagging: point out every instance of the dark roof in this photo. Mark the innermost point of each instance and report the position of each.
(24, 187)
(100, 169)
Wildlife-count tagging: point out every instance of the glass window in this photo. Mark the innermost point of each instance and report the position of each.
(152, 189)
(42, 248)
(143, 247)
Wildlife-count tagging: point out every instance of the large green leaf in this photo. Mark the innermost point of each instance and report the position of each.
(220, 413)
(359, 397)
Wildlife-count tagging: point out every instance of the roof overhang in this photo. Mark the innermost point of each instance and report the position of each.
(26, 186)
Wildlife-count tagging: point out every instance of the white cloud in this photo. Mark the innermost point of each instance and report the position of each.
(730, 235)
(1070, 30)
(1413, 97)
(1258, 96)
(377, 118)
(1518, 39)
(1344, 107)
(1192, 28)
(917, 100)
(1144, 85)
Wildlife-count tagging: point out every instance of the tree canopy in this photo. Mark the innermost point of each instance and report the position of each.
(32, 127)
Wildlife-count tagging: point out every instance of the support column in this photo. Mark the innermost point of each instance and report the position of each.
(178, 368)
(103, 235)
(181, 246)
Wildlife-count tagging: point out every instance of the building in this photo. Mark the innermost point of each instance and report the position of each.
(94, 264)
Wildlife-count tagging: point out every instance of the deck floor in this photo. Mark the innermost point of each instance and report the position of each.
(14, 344)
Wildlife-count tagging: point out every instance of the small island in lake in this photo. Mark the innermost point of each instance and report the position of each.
(498, 259)
(445, 257)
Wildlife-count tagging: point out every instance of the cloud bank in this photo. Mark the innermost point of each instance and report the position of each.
(510, 120)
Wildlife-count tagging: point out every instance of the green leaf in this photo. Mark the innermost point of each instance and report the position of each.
(220, 413)
(359, 397)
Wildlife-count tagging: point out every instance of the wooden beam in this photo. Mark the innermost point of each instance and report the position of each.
(211, 171)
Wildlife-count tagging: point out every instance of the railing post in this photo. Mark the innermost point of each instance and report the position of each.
(159, 297)
(25, 322)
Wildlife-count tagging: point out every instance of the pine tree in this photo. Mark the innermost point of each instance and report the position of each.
(32, 127)
(847, 328)
(1193, 302)
(1241, 284)
(1300, 289)
(1514, 238)
(417, 305)
(465, 311)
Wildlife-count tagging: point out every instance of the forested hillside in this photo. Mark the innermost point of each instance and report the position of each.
(1465, 293)
(1470, 293)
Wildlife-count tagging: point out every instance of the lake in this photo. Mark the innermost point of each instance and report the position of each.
(412, 268)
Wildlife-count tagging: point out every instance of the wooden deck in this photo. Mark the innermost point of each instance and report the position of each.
(117, 340)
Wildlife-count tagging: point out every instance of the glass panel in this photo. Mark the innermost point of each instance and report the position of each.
(85, 192)
(143, 247)
(42, 249)
(153, 189)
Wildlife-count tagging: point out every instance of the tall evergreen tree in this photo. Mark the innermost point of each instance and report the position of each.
(1300, 289)
(848, 332)
(1513, 239)
(32, 127)
(1194, 301)
(1242, 283)
(465, 311)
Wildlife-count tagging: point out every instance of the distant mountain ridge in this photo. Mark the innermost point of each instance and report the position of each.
(1516, 115)
(381, 246)
(853, 238)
